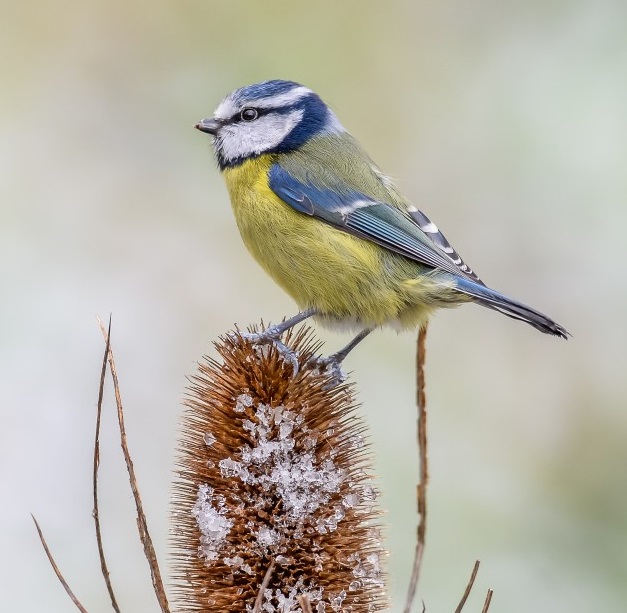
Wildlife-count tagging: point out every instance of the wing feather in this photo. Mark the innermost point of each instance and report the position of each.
(410, 234)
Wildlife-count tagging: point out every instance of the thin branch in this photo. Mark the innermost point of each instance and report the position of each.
(264, 587)
(471, 581)
(488, 600)
(421, 401)
(60, 577)
(95, 512)
(305, 603)
(142, 525)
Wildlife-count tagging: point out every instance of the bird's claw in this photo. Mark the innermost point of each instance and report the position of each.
(262, 338)
(272, 336)
(332, 366)
(289, 355)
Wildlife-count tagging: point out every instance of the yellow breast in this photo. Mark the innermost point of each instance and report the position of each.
(344, 277)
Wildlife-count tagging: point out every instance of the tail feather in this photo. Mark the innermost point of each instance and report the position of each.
(498, 302)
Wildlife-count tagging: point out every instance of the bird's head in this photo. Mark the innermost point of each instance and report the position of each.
(269, 117)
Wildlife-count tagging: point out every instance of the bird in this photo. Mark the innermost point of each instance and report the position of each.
(330, 227)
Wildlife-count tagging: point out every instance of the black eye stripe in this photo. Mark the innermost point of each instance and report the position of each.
(237, 118)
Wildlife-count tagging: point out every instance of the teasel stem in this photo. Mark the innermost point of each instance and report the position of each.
(421, 490)
(274, 505)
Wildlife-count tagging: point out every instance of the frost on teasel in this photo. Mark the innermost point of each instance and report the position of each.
(273, 470)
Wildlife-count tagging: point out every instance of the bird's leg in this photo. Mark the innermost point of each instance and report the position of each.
(339, 356)
(272, 335)
(333, 363)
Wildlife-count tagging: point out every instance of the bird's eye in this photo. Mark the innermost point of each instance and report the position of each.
(249, 114)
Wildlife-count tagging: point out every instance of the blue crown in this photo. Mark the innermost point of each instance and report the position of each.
(265, 89)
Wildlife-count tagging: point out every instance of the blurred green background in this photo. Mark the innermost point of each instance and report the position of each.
(505, 121)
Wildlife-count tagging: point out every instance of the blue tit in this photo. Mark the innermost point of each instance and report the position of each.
(329, 227)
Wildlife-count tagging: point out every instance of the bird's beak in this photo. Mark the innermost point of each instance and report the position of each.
(210, 126)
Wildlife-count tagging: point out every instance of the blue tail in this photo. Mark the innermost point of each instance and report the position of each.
(493, 300)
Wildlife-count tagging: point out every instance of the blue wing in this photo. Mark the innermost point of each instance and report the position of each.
(410, 234)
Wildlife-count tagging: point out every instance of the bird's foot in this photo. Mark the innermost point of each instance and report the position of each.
(266, 337)
(272, 336)
(331, 365)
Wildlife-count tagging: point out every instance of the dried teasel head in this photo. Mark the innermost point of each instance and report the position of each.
(274, 488)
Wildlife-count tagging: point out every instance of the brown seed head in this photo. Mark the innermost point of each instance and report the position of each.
(274, 471)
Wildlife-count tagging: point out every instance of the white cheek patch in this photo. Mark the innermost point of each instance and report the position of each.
(242, 139)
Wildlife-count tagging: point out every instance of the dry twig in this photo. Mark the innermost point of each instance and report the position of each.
(488, 600)
(421, 401)
(264, 586)
(96, 512)
(471, 581)
(142, 525)
(60, 577)
(305, 603)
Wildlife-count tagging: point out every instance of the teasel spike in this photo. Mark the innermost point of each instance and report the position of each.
(274, 482)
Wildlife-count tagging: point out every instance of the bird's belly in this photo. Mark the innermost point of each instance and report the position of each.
(350, 281)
